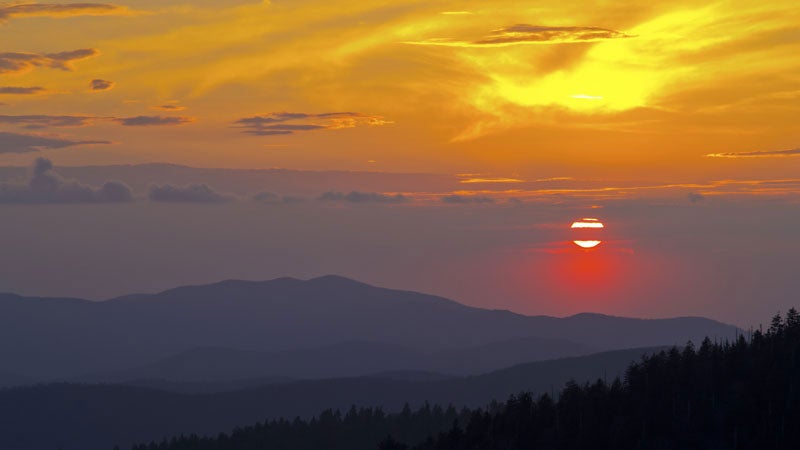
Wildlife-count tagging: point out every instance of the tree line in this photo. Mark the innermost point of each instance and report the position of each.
(740, 394)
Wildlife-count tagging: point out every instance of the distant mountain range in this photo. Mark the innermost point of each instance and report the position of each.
(324, 327)
(97, 417)
(344, 359)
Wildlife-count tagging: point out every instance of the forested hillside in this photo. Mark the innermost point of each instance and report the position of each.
(742, 394)
(97, 417)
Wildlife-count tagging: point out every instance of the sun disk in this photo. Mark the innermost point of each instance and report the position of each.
(587, 231)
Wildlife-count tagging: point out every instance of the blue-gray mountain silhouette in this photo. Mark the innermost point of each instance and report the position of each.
(343, 360)
(296, 326)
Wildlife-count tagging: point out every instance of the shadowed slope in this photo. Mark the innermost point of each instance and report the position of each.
(86, 417)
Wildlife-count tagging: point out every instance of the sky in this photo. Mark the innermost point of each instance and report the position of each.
(440, 146)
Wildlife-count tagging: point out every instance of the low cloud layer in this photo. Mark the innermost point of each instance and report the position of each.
(46, 186)
(101, 85)
(531, 34)
(193, 193)
(273, 198)
(26, 143)
(285, 123)
(363, 197)
(761, 154)
(30, 9)
(19, 62)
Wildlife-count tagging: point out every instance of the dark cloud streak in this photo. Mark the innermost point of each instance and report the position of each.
(525, 34)
(147, 121)
(531, 34)
(22, 90)
(101, 85)
(286, 123)
(27, 143)
(43, 120)
(19, 62)
(170, 107)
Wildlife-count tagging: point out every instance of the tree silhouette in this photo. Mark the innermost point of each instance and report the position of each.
(740, 394)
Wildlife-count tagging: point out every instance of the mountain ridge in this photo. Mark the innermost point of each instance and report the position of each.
(54, 339)
(338, 279)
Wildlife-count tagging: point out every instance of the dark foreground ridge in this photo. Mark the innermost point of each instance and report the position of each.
(731, 395)
(95, 417)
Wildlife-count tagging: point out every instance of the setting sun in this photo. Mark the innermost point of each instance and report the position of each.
(587, 244)
(588, 230)
(587, 223)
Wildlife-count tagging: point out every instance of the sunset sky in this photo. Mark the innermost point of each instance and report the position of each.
(676, 122)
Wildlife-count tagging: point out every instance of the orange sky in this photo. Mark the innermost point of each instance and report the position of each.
(623, 91)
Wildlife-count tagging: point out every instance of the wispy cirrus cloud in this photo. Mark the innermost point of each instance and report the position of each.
(45, 121)
(758, 154)
(530, 34)
(20, 62)
(27, 143)
(285, 123)
(33, 9)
